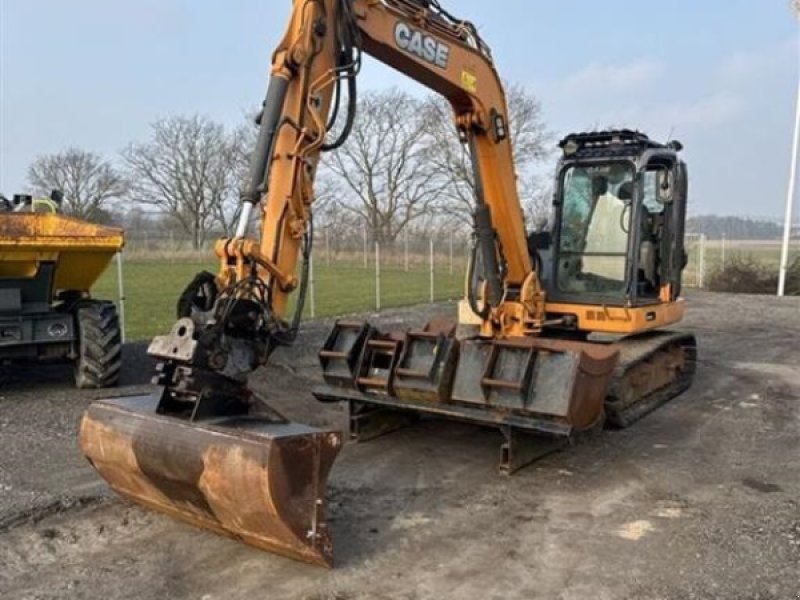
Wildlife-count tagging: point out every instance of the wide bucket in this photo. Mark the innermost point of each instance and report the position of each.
(258, 481)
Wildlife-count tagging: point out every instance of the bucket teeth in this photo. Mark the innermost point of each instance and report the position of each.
(249, 478)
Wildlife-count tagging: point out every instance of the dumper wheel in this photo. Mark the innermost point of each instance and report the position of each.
(99, 345)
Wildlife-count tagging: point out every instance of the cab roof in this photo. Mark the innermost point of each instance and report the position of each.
(618, 143)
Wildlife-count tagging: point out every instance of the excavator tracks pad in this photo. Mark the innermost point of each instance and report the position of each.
(653, 368)
(249, 478)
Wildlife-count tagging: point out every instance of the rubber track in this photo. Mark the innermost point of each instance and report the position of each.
(634, 351)
(100, 345)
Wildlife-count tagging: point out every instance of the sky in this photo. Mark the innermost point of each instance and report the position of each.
(719, 75)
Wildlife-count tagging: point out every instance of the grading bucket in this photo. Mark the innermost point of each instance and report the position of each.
(250, 478)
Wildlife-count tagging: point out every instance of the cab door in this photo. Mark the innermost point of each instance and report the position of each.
(658, 250)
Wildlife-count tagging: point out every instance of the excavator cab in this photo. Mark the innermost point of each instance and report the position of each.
(619, 211)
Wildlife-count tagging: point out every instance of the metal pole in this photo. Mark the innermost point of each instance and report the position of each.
(377, 276)
(787, 225)
(724, 244)
(121, 297)
(328, 246)
(697, 262)
(366, 261)
(433, 275)
(312, 287)
(406, 249)
(702, 261)
(451, 253)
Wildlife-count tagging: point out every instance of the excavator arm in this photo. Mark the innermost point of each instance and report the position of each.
(319, 55)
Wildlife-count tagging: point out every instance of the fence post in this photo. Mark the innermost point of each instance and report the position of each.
(121, 297)
(724, 243)
(433, 274)
(328, 246)
(702, 270)
(312, 287)
(366, 253)
(406, 249)
(451, 253)
(377, 276)
(697, 261)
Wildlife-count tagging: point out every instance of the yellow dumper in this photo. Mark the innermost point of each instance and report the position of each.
(48, 264)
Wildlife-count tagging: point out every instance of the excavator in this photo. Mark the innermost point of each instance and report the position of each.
(561, 331)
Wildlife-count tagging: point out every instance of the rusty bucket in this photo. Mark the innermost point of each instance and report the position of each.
(249, 478)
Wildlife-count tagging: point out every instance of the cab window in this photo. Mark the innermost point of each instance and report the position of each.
(595, 226)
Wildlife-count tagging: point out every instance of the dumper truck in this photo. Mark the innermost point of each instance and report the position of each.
(48, 265)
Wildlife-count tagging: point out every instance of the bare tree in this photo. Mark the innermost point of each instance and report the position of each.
(386, 177)
(189, 169)
(537, 202)
(87, 181)
(529, 137)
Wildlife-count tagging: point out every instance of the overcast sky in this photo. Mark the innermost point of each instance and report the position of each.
(720, 75)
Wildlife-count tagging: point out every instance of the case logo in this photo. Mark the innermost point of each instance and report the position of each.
(424, 46)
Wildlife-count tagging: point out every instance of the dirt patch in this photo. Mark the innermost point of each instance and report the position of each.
(699, 500)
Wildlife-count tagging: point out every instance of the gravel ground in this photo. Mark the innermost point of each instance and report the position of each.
(699, 500)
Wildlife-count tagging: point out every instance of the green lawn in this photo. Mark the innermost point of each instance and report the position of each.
(152, 288)
(152, 285)
(766, 253)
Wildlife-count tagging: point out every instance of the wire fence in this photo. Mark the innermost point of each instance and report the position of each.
(349, 274)
(346, 276)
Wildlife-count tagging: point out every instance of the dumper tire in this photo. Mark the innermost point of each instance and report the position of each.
(99, 357)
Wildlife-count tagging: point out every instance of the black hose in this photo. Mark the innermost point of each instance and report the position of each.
(352, 106)
(348, 39)
(288, 335)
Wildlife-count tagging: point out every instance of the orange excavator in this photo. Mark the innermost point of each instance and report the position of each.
(561, 331)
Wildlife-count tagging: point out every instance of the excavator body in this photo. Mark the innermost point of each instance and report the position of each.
(559, 333)
(610, 271)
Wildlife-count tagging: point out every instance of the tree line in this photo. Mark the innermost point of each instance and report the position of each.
(734, 228)
(401, 167)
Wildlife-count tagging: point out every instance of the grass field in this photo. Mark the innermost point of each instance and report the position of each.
(717, 254)
(152, 288)
(153, 284)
